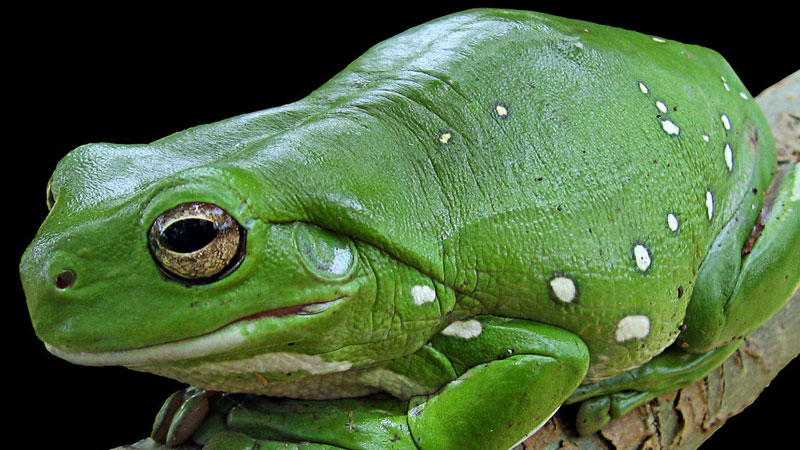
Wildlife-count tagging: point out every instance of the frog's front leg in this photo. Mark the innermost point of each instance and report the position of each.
(736, 292)
(508, 377)
(513, 375)
(198, 419)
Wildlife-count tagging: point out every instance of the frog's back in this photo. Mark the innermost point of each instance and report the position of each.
(544, 168)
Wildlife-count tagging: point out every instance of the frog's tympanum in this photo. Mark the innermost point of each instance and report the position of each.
(477, 221)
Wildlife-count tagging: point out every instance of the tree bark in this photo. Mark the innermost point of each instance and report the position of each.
(686, 418)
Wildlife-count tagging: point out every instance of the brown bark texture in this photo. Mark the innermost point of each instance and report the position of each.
(684, 419)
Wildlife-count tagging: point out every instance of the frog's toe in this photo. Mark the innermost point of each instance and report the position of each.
(593, 414)
(596, 412)
(181, 415)
(165, 415)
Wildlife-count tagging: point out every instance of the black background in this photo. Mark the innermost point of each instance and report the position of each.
(135, 75)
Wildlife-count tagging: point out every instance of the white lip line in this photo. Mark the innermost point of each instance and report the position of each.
(217, 341)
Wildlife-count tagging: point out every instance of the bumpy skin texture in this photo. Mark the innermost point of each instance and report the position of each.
(487, 165)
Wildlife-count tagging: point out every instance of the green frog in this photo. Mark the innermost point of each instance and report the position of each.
(477, 221)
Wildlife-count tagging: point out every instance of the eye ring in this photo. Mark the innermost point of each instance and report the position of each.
(196, 242)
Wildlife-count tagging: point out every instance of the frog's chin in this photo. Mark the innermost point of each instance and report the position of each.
(228, 337)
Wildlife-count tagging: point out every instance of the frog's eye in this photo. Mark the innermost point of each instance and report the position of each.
(197, 242)
(325, 255)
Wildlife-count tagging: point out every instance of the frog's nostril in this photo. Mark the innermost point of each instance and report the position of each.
(65, 279)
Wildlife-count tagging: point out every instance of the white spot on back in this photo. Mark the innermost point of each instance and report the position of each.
(464, 329)
(706, 138)
(659, 40)
(423, 294)
(672, 222)
(728, 157)
(564, 289)
(643, 88)
(642, 257)
(710, 204)
(444, 138)
(727, 88)
(633, 327)
(670, 127)
(726, 122)
(743, 95)
(501, 110)
(661, 106)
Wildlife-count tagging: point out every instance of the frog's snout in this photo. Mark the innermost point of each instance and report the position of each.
(43, 276)
(48, 283)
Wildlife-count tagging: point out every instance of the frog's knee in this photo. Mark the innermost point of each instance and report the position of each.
(770, 272)
(562, 345)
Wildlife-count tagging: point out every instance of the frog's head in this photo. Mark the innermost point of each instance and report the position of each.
(152, 258)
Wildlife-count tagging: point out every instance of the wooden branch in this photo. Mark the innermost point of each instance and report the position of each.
(686, 418)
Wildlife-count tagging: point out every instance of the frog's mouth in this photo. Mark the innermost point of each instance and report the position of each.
(227, 337)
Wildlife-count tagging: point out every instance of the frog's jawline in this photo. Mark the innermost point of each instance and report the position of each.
(224, 338)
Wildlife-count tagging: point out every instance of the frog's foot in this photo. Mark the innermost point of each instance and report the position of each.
(182, 414)
(616, 396)
(208, 420)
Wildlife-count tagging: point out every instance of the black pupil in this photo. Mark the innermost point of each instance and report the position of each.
(188, 235)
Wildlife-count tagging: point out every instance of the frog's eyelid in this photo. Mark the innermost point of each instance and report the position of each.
(50, 197)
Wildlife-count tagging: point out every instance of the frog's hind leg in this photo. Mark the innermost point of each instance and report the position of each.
(750, 272)
(736, 292)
